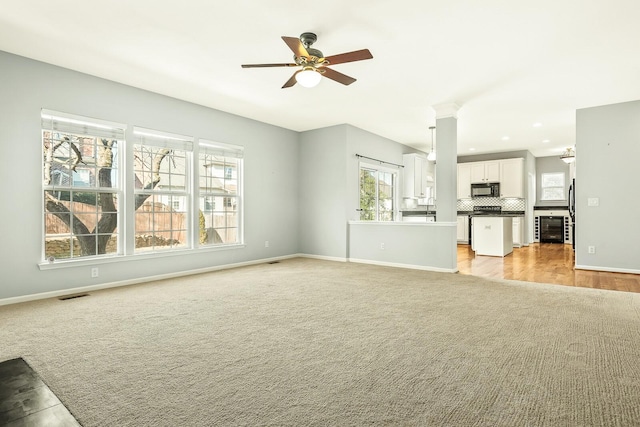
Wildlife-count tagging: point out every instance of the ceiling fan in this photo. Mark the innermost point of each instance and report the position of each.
(313, 64)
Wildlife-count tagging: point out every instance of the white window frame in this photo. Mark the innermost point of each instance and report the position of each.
(155, 139)
(226, 152)
(379, 168)
(544, 186)
(56, 122)
(128, 137)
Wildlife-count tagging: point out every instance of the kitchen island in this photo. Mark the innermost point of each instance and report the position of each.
(492, 235)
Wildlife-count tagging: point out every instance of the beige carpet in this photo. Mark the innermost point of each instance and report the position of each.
(308, 342)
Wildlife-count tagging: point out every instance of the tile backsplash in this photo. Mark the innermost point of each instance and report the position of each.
(507, 204)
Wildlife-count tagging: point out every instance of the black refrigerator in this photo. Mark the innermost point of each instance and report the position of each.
(572, 211)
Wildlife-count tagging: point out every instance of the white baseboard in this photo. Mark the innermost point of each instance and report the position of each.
(84, 289)
(607, 269)
(322, 257)
(409, 266)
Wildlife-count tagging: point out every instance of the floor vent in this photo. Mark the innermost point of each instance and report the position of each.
(66, 297)
(273, 262)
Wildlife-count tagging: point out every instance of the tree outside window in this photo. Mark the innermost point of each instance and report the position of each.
(377, 194)
(81, 187)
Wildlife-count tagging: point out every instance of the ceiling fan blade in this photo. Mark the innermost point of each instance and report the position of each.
(291, 81)
(296, 46)
(337, 76)
(267, 65)
(356, 55)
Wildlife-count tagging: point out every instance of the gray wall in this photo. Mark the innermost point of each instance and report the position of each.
(26, 86)
(607, 153)
(329, 179)
(323, 192)
(551, 164)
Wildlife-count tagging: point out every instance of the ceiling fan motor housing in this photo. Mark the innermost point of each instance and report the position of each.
(307, 40)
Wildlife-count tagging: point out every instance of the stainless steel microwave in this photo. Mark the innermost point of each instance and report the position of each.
(487, 189)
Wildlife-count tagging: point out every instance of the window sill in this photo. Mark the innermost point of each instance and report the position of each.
(80, 262)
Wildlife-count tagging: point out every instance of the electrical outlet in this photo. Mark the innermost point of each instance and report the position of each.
(266, 243)
(94, 272)
(591, 249)
(382, 246)
(593, 201)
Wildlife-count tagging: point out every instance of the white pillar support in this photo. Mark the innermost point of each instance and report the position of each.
(446, 161)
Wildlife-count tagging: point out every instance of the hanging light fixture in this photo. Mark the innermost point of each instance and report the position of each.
(569, 156)
(432, 154)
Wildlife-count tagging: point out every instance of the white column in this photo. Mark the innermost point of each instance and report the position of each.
(446, 161)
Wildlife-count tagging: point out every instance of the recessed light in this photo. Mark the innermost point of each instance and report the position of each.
(537, 124)
(472, 149)
(546, 141)
(505, 138)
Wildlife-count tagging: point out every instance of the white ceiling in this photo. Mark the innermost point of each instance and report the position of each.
(507, 63)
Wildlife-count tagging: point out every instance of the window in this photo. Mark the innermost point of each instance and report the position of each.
(81, 186)
(219, 177)
(552, 186)
(162, 190)
(377, 193)
(84, 203)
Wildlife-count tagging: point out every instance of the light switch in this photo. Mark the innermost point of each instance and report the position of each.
(593, 201)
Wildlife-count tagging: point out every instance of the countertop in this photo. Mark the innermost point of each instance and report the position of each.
(418, 211)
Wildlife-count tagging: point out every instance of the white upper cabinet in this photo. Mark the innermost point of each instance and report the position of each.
(508, 172)
(464, 180)
(418, 176)
(512, 178)
(482, 172)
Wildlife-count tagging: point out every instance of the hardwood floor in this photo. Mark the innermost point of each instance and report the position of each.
(27, 401)
(543, 263)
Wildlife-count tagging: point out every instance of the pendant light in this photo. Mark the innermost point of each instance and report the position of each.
(569, 156)
(432, 154)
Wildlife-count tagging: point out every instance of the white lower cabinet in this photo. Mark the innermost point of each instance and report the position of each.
(517, 232)
(463, 229)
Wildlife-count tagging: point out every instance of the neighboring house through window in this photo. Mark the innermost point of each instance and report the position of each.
(219, 176)
(162, 190)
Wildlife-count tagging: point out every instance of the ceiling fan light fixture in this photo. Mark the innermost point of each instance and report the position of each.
(569, 156)
(308, 77)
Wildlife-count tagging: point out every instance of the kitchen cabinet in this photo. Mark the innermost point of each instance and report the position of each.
(418, 176)
(464, 180)
(482, 172)
(517, 232)
(512, 178)
(463, 229)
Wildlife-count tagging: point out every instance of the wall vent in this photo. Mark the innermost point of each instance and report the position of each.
(73, 296)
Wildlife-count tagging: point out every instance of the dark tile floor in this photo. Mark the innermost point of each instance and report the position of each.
(25, 401)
